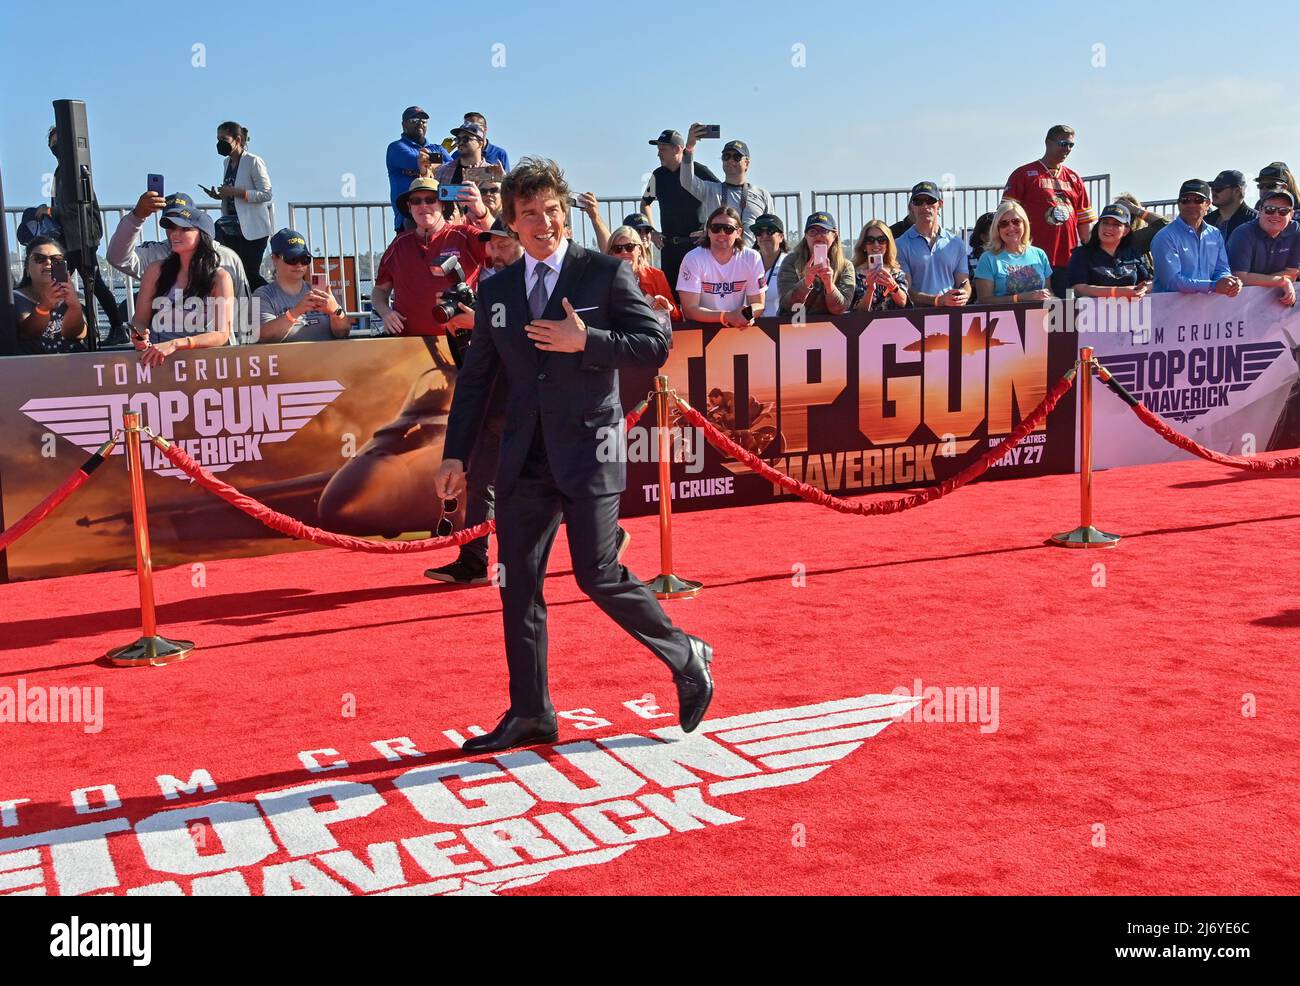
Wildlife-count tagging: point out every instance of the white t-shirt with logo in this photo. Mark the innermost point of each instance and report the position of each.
(722, 287)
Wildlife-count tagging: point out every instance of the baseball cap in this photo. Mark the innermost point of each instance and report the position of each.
(472, 129)
(927, 188)
(411, 112)
(637, 221)
(289, 244)
(419, 185)
(187, 217)
(1117, 210)
(1278, 193)
(670, 137)
(736, 145)
(1228, 179)
(499, 228)
(1196, 187)
(767, 221)
(180, 199)
(823, 220)
(1275, 171)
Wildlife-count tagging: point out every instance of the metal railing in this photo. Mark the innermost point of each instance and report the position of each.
(962, 204)
(1163, 207)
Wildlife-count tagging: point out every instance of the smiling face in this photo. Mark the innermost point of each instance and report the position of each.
(539, 224)
(425, 209)
(415, 128)
(1192, 208)
(625, 249)
(723, 233)
(1111, 231)
(182, 239)
(40, 264)
(1011, 228)
(1274, 214)
(736, 166)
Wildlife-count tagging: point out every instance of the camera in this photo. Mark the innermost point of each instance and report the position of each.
(449, 301)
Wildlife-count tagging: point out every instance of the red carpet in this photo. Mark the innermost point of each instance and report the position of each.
(1121, 763)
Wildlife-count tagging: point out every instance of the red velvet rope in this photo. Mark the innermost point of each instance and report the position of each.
(42, 509)
(813, 495)
(1153, 421)
(303, 532)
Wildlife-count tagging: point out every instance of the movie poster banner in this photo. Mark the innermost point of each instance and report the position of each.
(1221, 370)
(860, 403)
(347, 435)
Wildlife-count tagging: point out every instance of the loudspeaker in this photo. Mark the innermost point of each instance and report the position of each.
(74, 196)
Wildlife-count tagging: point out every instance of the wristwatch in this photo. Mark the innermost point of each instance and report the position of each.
(338, 312)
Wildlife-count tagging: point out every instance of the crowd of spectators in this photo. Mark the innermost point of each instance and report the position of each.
(723, 253)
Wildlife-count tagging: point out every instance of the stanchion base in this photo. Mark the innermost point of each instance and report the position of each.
(150, 652)
(671, 587)
(1085, 537)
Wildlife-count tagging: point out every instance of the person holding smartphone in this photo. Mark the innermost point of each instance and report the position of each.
(881, 281)
(817, 278)
(722, 282)
(292, 308)
(245, 195)
(46, 307)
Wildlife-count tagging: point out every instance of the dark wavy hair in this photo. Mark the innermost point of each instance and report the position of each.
(533, 176)
(203, 270)
(1094, 239)
(233, 129)
(36, 241)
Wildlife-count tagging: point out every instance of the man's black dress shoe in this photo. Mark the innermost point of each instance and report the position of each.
(515, 731)
(694, 685)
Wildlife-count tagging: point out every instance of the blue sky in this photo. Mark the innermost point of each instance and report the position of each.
(887, 93)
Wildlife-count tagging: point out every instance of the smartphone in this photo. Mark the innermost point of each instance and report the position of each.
(321, 282)
(875, 261)
(819, 251)
(480, 176)
(156, 184)
(451, 193)
(710, 130)
(748, 312)
(59, 271)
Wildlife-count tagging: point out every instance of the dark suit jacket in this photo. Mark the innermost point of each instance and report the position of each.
(574, 395)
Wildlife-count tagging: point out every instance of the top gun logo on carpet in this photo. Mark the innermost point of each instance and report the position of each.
(463, 827)
(215, 416)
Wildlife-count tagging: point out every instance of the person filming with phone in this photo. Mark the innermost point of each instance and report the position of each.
(245, 194)
(291, 307)
(748, 200)
(49, 313)
(881, 281)
(412, 266)
(818, 278)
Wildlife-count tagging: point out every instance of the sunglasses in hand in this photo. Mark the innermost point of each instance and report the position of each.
(445, 525)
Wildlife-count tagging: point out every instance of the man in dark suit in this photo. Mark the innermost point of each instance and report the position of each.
(559, 323)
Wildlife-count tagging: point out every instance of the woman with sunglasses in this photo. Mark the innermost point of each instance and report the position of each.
(881, 284)
(49, 314)
(1109, 265)
(722, 282)
(626, 244)
(186, 301)
(289, 308)
(769, 240)
(817, 278)
(1011, 267)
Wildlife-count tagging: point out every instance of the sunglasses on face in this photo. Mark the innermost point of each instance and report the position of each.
(766, 231)
(47, 259)
(449, 506)
(1276, 210)
(1067, 144)
(296, 261)
(875, 239)
(422, 200)
(1002, 223)
(732, 156)
(1191, 200)
(489, 191)
(624, 247)
(721, 228)
(920, 200)
(465, 139)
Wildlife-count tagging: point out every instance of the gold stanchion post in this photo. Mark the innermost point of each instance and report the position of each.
(667, 585)
(150, 649)
(1085, 535)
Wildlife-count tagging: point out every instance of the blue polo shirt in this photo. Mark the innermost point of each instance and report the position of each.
(932, 271)
(1253, 251)
(491, 155)
(1187, 262)
(404, 167)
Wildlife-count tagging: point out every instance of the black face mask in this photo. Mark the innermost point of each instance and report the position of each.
(224, 147)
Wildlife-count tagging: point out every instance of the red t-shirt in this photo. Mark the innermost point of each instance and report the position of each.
(1055, 204)
(416, 289)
